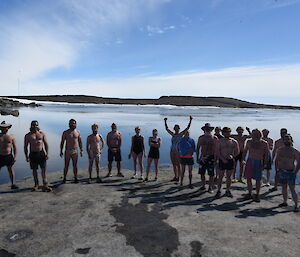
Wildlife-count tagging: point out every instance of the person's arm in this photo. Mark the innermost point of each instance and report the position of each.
(187, 128)
(297, 167)
(131, 148)
(102, 142)
(46, 145)
(266, 153)
(167, 128)
(248, 130)
(277, 158)
(88, 145)
(80, 143)
(62, 142)
(120, 140)
(159, 142)
(144, 148)
(245, 151)
(107, 140)
(26, 142)
(274, 151)
(271, 144)
(236, 149)
(14, 144)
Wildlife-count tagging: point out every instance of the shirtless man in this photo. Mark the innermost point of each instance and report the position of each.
(241, 138)
(114, 142)
(8, 151)
(278, 143)
(72, 138)
(218, 131)
(258, 150)
(94, 151)
(227, 150)
(268, 165)
(205, 154)
(287, 170)
(38, 154)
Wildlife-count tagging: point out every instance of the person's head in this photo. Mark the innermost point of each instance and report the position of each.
(155, 132)
(114, 127)
(137, 130)
(226, 131)
(176, 128)
(207, 128)
(288, 140)
(283, 132)
(187, 134)
(265, 132)
(95, 129)
(34, 126)
(4, 127)
(218, 130)
(240, 130)
(72, 124)
(256, 134)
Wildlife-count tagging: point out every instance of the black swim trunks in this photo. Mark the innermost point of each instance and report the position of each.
(239, 157)
(153, 153)
(187, 161)
(207, 165)
(114, 154)
(226, 166)
(6, 160)
(37, 159)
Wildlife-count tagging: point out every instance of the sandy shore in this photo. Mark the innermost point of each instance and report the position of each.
(124, 217)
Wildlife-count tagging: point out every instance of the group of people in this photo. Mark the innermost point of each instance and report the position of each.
(218, 154)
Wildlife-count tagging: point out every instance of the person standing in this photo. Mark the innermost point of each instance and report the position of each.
(38, 154)
(174, 151)
(137, 152)
(186, 150)
(278, 143)
(114, 142)
(153, 155)
(285, 160)
(258, 151)
(268, 165)
(94, 151)
(206, 155)
(8, 151)
(73, 140)
(227, 150)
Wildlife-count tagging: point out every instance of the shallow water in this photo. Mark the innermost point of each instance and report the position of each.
(53, 119)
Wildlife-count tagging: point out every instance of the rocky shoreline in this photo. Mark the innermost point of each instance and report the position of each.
(7, 106)
(163, 100)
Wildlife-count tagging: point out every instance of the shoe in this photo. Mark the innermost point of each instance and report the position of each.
(89, 181)
(64, 181)
(256, 198)
(35, 188)
(76, 180)
(108, 175)
(283, 205)
(202, 188)
(146, 180)
(273, 189)
(191, 186)
(228, 194)
(173, 179)
(210, 190)
(218, 195)
(120, 175)
(248, 197)
(267, 184)
(141, 178)
(134, 176)
(46, 188)
(155, 179)
(296, 209)
(241, 181)
(14, 186)
(234, 180)
(98, 180)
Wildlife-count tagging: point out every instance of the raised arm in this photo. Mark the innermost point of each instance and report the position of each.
(187, 128)
(167, 128)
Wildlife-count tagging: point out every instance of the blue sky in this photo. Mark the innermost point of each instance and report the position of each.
(246, 49)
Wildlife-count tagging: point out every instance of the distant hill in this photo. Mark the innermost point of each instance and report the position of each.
(163, 100)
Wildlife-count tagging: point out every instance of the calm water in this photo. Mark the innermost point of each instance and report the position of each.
(53, 119)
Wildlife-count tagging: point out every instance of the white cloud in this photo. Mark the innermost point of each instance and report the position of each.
(240, 82)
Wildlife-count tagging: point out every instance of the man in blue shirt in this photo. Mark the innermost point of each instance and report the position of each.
(186, 150)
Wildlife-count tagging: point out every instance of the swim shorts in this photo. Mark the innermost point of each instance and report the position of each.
(114, 154)
(37, 159)
(207, 165)
(6, 160)
(153, 153)
(187, 161)
(287, 177)
(229, 165)
(253, 169)
(268, 165)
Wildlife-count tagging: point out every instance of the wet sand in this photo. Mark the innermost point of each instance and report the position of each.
(125, 217)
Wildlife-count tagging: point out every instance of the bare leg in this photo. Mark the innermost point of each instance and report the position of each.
(119, 167)
(67, 162)
(276, 180)
(241, 172)
(97, 161)
(220, 180)
(35, 177)
(156, 167)
(91, 161)
(249, 185)
(11, 174)
(74, 158)
(149, 161)
(109, 167)
(140, 159)
(44, 176)
(228, 179)
(190, 174)
(258, 185)
(268, 176)
(202, 179)
(284, 193)
(182, 174)
(134, 157)
(211, 182)
(294, 195)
